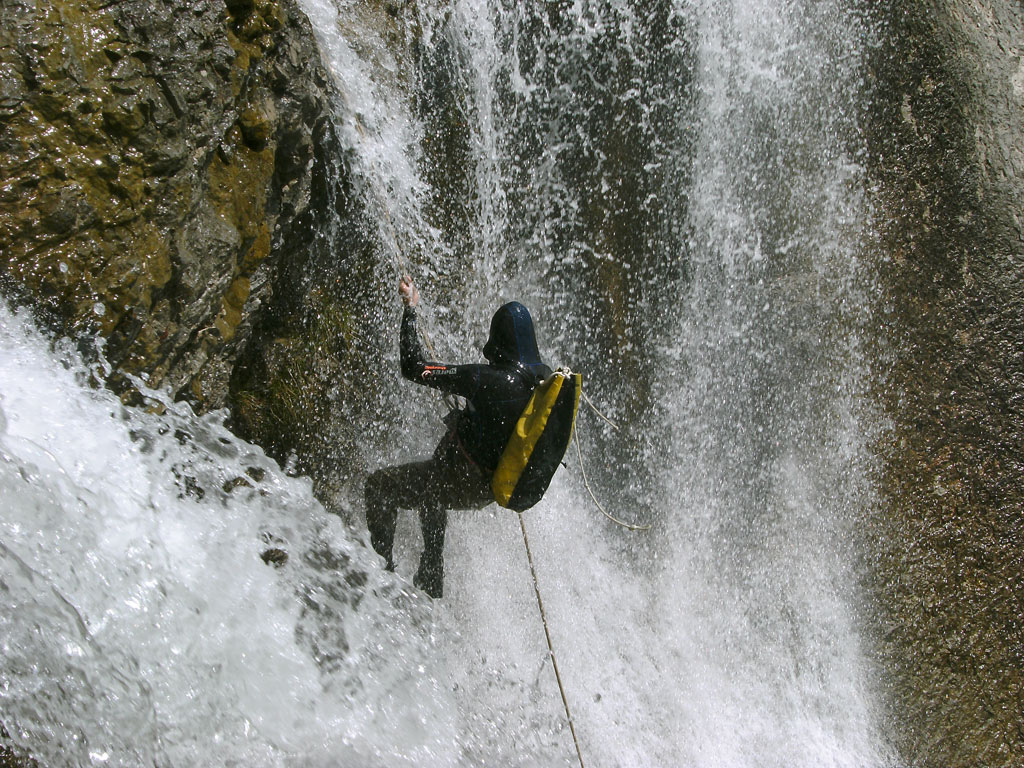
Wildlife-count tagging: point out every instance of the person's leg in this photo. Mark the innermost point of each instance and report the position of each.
(388, 490)
(430, 575)
(456, 484)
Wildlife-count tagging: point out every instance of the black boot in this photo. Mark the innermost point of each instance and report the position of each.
(382, 534)
(430, 576)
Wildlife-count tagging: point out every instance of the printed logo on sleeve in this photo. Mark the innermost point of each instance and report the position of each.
(437, 370)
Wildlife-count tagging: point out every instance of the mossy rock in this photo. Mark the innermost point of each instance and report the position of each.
(145, 197)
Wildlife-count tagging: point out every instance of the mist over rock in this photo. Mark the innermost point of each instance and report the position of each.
(167, 170)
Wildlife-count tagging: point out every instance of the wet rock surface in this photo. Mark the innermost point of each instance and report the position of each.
(948, 148)
(165, 168)
(155, 157)
(172, 181)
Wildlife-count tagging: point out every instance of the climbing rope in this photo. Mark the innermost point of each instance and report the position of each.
(594, 408)
(600, 506)
(583, 471)
(536, 585)
(389, 232)
(551, 649)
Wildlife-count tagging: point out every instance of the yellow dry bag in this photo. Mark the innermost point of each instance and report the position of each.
(538, 442)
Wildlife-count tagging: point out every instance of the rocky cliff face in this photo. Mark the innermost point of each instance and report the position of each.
(156, 158)
(949, 165)
(165, 167)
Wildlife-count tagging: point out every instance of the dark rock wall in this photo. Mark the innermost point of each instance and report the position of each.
(171, 178)
(155, 155)
(166, 167)
(947, 134)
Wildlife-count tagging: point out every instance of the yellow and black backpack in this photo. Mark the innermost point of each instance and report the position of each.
(538, 442)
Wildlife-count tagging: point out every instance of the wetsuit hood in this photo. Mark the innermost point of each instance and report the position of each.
(512, 339)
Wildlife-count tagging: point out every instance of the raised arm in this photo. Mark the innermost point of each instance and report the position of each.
(457, 379)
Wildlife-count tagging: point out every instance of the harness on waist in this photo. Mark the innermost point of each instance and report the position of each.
(538, 442)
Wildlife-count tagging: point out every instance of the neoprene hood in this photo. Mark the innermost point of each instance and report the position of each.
(512, 339)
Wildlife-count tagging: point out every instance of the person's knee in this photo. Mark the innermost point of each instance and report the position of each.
(374, 489)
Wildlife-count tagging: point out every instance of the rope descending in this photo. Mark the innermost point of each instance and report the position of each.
(551, 649)
(583, 471)
(594, 408)
(389, 232)
(586, 484)
(536, 586)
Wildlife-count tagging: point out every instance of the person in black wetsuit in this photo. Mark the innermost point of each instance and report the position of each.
(458, 476)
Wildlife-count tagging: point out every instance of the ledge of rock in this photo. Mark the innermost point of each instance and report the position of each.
(155, 158)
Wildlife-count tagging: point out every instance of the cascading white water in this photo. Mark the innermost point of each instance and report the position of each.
(728, 636)
(140, 625)
(773, 476)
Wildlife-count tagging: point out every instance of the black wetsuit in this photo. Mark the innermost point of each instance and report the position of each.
(459, 473)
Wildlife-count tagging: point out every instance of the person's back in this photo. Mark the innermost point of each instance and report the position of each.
(458, 475)
(495, 393)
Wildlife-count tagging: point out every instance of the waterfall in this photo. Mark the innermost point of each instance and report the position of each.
(674, 188)
(141, 627)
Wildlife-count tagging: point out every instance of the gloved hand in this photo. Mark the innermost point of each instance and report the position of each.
(407, 290)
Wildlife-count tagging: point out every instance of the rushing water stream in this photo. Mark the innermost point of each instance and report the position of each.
(674, 189)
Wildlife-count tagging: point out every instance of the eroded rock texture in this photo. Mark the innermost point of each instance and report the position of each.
(155, 157)
(948, 140)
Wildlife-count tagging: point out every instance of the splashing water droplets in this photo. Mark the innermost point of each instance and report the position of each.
(673, 189)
